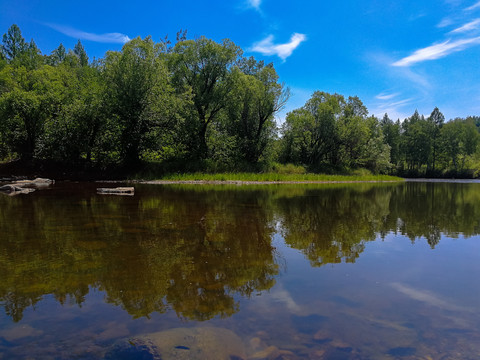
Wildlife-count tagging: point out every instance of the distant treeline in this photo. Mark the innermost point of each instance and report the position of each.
(201, 105)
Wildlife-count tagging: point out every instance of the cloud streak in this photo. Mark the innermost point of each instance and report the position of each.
(111, 38)
(473, 7)
(437, 51)
(283, 51)
(384, 96)
(472, 25)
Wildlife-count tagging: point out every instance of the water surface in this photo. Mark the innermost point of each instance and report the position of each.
(358, 271)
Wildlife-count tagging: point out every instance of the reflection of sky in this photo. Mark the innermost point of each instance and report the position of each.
(394, 287)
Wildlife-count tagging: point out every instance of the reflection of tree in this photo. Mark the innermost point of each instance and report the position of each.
(191, 252)
(193, 249)
(331, 225)
(429, 210)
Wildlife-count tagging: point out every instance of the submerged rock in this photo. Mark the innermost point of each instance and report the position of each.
(181, 344)
(133, 349)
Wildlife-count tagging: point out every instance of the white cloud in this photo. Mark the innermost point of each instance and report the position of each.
(116, 38)
(473, 7)
(255, 3)
(283, 51)
(393, 109)
(437, 51)
(384, 96)
(472, 25)
(445, 22)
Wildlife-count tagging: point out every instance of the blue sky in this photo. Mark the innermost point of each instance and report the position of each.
(397, 56)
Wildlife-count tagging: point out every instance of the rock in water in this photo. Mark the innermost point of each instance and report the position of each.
(181, 344)
(116, 191)
(133, 349)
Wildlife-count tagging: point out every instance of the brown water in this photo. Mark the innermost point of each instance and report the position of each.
(297, 272)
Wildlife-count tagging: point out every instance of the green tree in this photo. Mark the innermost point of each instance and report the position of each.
(139, 93)
(202, 67)
(76, 133)
(459, 141)
(57, 56)
(80, 52)
(391, 132)
(255, 97)
(416, 141)
(435, 121)
(13, 43)
(35, 96)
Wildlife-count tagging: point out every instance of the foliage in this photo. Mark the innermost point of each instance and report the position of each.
(200, 105)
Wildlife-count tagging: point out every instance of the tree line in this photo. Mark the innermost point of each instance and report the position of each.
(202, 105)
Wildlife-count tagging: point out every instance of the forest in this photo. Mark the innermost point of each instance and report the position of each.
(201, 105)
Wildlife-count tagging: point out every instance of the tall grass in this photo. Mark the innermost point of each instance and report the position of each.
(274, 177)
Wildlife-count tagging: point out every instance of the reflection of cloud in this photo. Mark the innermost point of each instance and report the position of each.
(427, 297)
(437, 51)
(116, 38)
(283, 296)
(267, 47)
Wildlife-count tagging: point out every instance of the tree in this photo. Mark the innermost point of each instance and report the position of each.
(13, 44)
(310, 134)
(391, 132)
(32, 57)
(436, 121)
(80, 129)
(80, 52)
(140, 95)
(57, 56)
(203, 66)
(416, 141)
(255, 97)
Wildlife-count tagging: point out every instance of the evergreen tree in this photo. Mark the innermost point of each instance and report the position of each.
(13, 43)
(79, 50)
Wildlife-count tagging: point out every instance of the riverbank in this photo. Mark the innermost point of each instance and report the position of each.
(51, 170)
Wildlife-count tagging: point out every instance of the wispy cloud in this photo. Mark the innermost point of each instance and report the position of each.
(255, 3)
(394, 109)
(385, 96)
(437, 51)
(473, 7)
(112, 38)
(445, 22)
(283, 51)
(472, 25)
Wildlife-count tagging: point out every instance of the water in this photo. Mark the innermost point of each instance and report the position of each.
(295, 272)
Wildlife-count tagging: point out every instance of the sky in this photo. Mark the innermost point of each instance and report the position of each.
(396, 56)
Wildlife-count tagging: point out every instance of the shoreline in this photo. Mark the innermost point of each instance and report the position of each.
(248, 182)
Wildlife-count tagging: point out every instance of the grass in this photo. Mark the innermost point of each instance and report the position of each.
(273, 177)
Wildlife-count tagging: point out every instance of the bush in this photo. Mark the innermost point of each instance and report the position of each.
(288, 169)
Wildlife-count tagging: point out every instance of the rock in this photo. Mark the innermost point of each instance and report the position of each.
(322, 336)
(270, 352)
(255, 343)
(25, 186)
(181, 344)
(133, 349)
(12, 190)
(116, 191)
